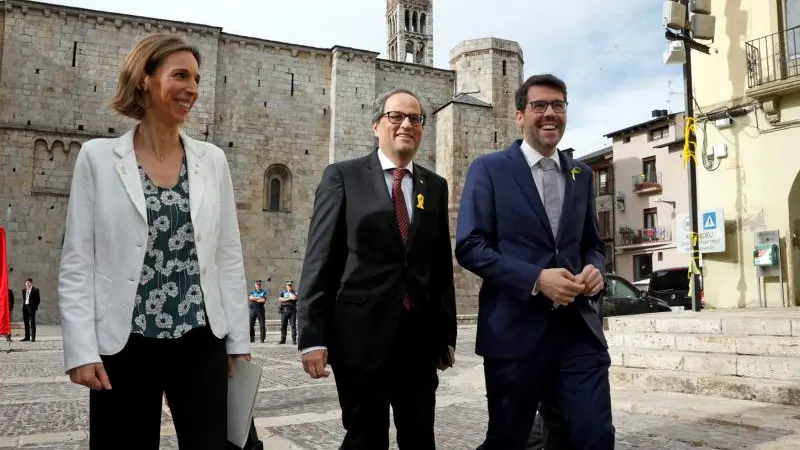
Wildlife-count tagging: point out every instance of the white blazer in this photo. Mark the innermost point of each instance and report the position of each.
(106, 240)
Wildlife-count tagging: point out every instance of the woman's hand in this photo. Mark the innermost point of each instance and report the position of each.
(92, 376)
(232, 362)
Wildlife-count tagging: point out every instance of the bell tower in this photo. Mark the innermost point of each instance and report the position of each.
(409, 25)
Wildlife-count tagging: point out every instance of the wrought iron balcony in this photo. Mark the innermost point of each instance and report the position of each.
(643, 237)
(647, 183)
(773, 57)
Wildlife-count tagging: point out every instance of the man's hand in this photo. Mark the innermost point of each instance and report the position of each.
(443, 365)
(92, 376)
(559, 285)
(592, 280)
(314, 363)
(232, 362)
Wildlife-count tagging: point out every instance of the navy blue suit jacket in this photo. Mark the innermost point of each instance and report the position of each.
(503, 236)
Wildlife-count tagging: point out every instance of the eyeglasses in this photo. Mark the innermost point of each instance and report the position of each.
(397, 117)
(540, 106)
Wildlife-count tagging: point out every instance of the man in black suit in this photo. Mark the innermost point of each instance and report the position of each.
(377, 299)
(30, 304)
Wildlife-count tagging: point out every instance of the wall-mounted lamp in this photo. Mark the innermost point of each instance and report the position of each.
(668, 202)
(620, 201)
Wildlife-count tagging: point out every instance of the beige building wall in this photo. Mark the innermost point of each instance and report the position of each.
(755, 91)
(647, 244)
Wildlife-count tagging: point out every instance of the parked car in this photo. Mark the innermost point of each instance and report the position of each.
(642, 285)
(672, 286)
(623, 298)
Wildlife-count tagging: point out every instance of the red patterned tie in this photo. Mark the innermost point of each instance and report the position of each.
(401, 213)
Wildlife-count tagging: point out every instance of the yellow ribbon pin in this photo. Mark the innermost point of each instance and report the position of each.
(420, 201)
(574, 172)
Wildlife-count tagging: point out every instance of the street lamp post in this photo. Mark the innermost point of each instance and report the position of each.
(701, 25)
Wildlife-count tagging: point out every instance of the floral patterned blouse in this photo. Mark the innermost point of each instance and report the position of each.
(169, 301)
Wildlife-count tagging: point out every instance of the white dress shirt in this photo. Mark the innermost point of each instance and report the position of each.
(407, 185)
(532, 157)
(27, 296)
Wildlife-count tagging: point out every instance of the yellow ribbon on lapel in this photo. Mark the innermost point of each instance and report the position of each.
(420, 201)
(575, 171)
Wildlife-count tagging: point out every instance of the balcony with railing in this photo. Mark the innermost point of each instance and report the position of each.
(773, 59)
(643, 237)
(647, 183)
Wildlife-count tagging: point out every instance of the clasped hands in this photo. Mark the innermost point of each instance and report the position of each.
(561, 286)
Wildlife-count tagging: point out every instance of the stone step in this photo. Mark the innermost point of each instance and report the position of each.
(708, 343)
(758, 389)
(770, 367)
(707, 323)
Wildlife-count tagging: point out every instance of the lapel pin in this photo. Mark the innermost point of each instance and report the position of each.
(420, 201)
(575, 171)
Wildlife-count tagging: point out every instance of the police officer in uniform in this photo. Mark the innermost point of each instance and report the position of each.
(258, 297)
(288, 302)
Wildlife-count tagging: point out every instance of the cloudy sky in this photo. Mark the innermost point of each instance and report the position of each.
(608, 51)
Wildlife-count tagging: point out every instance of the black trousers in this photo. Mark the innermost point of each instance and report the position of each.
(257, 312)
(288, 317)
(406, 381)
(193, 373)
(29, 317)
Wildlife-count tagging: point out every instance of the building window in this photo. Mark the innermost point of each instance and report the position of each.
(604, 224)
(603, 182)
(659, 133)
(642, 266)
(626, 139)
(650, 218)
(277, 189)
(275, 195)
(649, 168)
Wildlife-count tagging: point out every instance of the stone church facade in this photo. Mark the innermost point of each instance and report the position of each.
(281, 112)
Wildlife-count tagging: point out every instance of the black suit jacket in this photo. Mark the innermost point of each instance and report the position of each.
(357, 269)
(34, 299)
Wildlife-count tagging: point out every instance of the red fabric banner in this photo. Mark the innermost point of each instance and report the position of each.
(5, 314)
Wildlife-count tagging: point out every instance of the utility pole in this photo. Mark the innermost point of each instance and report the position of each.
(694, 238)
(701, 25)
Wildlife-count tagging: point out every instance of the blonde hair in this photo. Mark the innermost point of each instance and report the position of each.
(130, 98)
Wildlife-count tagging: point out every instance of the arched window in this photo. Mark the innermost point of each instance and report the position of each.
(415, 22)
(277, 189)
(408, 21)
(422, 19)
(275, 195)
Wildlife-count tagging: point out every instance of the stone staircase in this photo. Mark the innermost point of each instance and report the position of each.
(743, 354)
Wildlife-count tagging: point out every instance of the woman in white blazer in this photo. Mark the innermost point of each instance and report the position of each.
(152, 288)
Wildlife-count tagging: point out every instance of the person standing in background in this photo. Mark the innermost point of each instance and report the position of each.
(288, 308)
(258, 299)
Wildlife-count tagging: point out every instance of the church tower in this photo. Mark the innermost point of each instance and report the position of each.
(409, 24)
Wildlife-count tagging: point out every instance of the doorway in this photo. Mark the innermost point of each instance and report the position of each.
(642, 266)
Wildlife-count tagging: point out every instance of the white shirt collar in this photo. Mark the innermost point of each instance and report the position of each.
(533, 157)
(387, 164)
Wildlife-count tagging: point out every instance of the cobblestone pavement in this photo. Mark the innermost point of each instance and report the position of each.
(40, 409)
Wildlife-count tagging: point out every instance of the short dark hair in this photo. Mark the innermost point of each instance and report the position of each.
(29, 279)
(380, 103)
(258, 281)
(546, 79)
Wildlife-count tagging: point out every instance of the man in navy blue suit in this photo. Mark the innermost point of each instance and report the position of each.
(527, 226)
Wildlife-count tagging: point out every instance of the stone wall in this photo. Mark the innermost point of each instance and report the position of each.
(281, 112)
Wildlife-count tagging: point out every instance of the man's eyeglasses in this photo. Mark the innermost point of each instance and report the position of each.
(397, 117)
(540, 106)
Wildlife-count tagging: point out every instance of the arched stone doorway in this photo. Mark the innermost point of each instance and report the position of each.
(793, 243)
